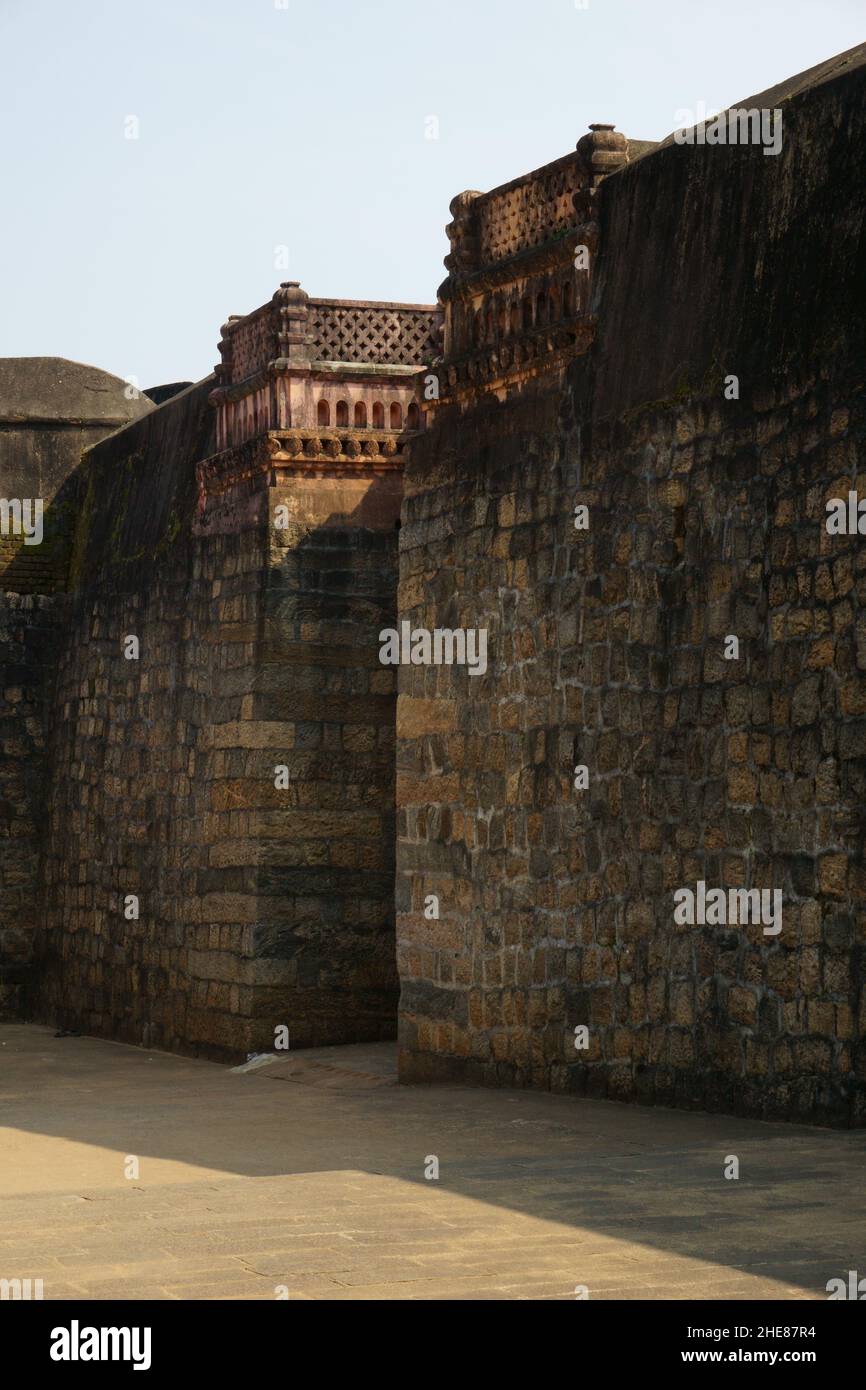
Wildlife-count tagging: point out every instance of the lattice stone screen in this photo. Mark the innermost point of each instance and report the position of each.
(514, 218)
(384, 337)
(254, 343)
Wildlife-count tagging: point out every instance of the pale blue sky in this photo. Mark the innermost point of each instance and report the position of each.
(304, 127)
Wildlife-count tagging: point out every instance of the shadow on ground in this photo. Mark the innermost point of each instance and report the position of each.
(536, 1194)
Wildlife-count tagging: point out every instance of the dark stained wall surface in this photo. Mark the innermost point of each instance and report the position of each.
(257, 905)
(179, 897)
(707, 519)
(51, 410)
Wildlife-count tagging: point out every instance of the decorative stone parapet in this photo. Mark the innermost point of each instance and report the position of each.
(516, 300)
(298, 362)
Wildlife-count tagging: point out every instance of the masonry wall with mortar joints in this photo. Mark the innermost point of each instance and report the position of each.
(707, 518)
(50, 411)
(30, 627)
(259, 645)
(259, 906)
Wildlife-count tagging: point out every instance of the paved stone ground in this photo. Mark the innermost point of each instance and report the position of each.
(310, 1174)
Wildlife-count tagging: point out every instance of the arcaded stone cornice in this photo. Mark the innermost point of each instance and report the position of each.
(517, 296)
(308, 450)
(550, 255)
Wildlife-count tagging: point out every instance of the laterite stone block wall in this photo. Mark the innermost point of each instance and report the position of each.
(51, 410)
(326, 843)
(707, 519)
(136, 747)
(259, 906)
(30, 628)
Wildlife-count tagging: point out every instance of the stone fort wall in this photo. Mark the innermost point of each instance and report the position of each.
(706, 519)
(30, 626)
(217, 855)
(598, 385)
(51, 411)
(257, 906)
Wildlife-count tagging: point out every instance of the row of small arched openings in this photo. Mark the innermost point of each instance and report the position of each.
(248, 418)
(532, 311)
(359, 415)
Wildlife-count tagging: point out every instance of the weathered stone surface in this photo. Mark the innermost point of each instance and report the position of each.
(236, 777)
(247, 532)
(607, 649)
(29, 632)
(50, 411)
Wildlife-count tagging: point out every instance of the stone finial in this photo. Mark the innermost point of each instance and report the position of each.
(291, 302)
(461, 203)
(223, 369)
(603, 150)
(461, 233)
(289, 294)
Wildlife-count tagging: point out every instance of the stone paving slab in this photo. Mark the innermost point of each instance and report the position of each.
(245, 1186)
